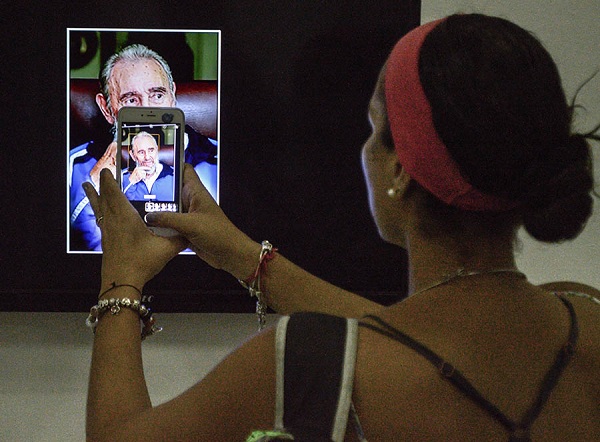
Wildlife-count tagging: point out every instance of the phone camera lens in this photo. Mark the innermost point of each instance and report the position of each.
(167, 118)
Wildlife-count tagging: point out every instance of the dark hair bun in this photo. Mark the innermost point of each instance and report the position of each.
(559, 207)
(498, 105)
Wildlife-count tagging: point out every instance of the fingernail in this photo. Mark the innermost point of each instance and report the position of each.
(151, 217)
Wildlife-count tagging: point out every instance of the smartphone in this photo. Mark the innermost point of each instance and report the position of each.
(150, 145)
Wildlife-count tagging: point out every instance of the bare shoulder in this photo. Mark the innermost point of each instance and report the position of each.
(570, 286)
(586, 300)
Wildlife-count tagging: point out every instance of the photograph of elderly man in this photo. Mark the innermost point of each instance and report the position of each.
(134, 75)
(150, 177)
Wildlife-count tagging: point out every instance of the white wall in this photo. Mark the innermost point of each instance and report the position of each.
(569, 30)
(44, 357)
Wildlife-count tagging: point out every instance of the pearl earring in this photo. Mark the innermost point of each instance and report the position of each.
(391, 192)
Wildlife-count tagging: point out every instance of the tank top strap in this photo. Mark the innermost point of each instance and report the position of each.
(518, 431)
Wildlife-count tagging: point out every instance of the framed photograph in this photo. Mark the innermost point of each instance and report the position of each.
(108, 69)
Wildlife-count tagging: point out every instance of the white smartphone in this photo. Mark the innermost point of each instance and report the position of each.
(150, 159)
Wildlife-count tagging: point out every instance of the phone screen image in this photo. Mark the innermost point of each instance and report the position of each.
(150, 164)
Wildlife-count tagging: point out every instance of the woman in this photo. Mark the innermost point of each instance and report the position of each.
(471, 139)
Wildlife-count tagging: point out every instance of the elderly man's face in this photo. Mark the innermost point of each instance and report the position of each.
(145, 153)
(139, 83)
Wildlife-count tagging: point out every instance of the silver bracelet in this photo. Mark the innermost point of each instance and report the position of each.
(252, 283)
(114, 305)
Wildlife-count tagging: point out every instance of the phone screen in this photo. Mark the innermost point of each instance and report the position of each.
(151, 158)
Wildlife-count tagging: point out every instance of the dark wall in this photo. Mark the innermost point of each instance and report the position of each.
(296, 80)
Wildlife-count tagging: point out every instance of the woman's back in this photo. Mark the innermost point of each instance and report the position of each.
(503, 337)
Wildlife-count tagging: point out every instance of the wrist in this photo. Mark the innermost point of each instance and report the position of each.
(117, 289)
(246, 260)
(253, 282)
(118, 275)
(114, 307)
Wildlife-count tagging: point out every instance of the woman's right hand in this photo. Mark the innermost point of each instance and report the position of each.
(222, 245)
(212, 236)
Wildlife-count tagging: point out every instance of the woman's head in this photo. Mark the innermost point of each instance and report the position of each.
(497, 108)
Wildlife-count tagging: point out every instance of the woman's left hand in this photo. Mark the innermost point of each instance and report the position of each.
(132, 254)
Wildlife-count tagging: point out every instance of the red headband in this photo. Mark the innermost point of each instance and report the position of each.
(420, 151)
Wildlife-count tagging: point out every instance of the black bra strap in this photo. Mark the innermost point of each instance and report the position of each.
(446, 369)
(520, 430)
(563, 358)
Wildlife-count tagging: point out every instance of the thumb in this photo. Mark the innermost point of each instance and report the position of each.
(176, 221)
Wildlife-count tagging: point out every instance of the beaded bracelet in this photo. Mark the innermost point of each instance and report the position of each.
(252, 283)
(114, 306)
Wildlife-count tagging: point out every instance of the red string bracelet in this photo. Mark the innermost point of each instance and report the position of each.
(252, 283)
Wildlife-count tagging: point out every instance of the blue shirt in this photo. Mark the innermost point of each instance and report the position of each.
(201, 152)
(162, 188)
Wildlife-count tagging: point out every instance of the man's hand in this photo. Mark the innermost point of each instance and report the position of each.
(138, 174)
(107, 161)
